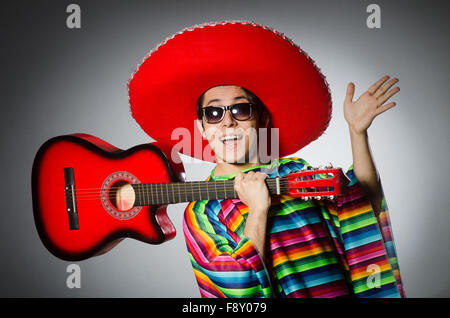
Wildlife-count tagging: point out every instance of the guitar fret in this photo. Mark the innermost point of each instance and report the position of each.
(225, 190)
(136, 191)
(166, 198)
(215, 188)
(157, 195)
(139, 196)
(151, 190)
(169, 199)
(146, 193)
(158, 190)
(204, 187)
(167, 193)
(142, 195)
(173, 193)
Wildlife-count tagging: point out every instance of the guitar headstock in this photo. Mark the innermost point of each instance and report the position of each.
(317, 183)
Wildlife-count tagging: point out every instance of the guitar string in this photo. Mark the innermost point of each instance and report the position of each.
(190, 182)
(149, 186)
(183, 200)
(184, 195)
(162, 192)
(149, 191)
(183, 191)
(169, 199)
(283, 180)
(184, 184)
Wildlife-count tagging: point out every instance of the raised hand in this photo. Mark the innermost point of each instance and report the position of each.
(359, 114)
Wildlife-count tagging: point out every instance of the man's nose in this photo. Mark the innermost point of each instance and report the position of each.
(228, 120)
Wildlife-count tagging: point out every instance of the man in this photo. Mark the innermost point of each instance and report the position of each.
(257, 245)
(251, 187)
(253, 192)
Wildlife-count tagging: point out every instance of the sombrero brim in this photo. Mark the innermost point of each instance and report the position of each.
(165, 87)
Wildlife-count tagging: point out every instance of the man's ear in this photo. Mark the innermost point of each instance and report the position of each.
(201, 128)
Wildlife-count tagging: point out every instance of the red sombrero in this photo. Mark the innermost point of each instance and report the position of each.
(165, 87)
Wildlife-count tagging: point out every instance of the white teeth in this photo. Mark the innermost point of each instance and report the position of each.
(231, 137)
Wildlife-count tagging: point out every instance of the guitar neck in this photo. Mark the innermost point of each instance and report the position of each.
(177, 192)
(304, 184)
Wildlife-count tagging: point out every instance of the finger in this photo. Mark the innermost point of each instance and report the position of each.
(350, 92)
(261, 176)
(388, 95)
(238, 180)
(384, 108)
(377, 84)
(264, 175)
(386, 87)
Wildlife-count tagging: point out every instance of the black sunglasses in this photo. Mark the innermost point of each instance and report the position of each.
(240, 111)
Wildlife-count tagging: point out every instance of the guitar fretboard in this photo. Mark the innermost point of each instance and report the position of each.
(177, 192)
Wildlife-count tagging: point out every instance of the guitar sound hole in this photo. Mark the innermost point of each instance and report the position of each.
(121, 195)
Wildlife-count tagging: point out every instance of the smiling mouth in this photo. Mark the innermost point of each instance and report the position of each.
(230, 139)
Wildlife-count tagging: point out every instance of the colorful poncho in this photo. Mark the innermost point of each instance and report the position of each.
(316, 248)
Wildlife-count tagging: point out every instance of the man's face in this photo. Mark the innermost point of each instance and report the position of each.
(232, 141)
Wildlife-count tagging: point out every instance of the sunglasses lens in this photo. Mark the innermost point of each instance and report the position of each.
(241, 111)
(213, 114)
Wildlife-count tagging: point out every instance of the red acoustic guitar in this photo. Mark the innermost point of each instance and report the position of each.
(81, 184)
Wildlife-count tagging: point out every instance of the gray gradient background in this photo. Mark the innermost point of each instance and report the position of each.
(58, 81)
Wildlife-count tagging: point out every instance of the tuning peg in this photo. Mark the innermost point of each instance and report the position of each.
(329, 166)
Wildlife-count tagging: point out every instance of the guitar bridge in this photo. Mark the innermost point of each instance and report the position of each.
(71, 204)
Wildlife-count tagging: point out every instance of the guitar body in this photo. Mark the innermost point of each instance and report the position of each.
(96, 166)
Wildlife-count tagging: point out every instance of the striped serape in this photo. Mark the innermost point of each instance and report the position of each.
(317, 248)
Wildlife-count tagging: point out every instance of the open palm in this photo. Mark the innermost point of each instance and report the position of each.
(359, 114)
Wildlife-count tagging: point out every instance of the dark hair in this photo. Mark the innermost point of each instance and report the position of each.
(252, 98)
